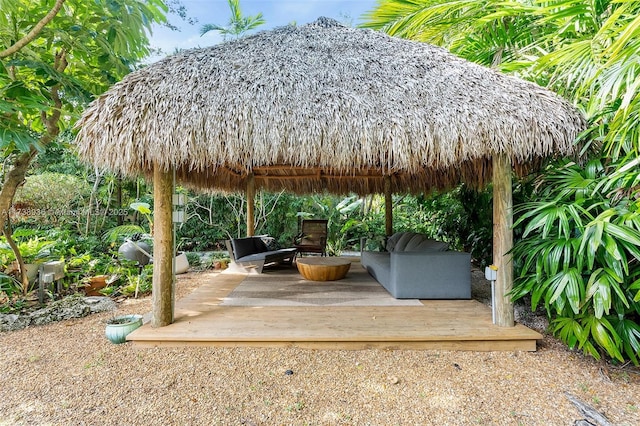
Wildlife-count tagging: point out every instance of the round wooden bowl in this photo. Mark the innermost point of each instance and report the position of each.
(323, 268)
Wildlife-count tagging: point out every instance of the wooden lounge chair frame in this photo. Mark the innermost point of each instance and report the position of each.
(312, 237)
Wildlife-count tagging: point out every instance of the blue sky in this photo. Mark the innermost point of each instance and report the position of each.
(275, 12)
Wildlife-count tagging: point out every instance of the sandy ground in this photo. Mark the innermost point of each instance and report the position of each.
(69, 374)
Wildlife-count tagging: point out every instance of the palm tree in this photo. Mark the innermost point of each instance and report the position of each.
(238, 24)
(483, 31)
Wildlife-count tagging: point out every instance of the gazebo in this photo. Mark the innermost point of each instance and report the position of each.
(324, 107)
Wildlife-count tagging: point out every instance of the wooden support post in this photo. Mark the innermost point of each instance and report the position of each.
(251, 200)
(162, 292)
(503, 238)
(388, 207)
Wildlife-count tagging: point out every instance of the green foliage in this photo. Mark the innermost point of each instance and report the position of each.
(137, 282)
(9, 286)
(344, 228)
(580, 257)
(238, 24)
(51, 199)
(194, 259)
(32, 248)
(122, 232)
(462, 217)
(212, 219)
(59, 158)
(99, 40)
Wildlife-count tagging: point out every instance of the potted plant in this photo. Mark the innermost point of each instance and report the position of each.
(119, 327)
(90, 272)
(95, 284)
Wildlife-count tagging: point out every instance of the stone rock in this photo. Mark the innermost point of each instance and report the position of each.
(13, 322)
(70, 307)
(99, 304)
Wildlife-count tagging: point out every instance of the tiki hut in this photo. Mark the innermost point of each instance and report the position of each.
(324, 107)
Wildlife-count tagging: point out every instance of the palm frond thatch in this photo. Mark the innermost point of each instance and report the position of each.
(323, 106)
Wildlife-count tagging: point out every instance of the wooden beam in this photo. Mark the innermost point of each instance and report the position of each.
(162, 291)
(503, 239)
(388, 207)
(315, 176)
(281, 167)
(251, 200)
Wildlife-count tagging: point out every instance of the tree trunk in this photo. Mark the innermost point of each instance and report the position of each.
(388, 207)
(162, 292)
(251, 200)
(503, 239)
(24, 279)
(12, 181)
(92, 197)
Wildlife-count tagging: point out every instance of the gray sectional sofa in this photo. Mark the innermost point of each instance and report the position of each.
(417, 267)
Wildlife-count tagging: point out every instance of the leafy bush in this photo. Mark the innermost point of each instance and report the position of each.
(9, 286)
(32, 247)
(193, 258)
(51, 198)
(580, 257)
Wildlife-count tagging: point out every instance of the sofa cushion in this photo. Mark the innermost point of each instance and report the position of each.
(392, 242)
(259, 245)
(270, 256)
(245, 246)
(270, 242)
(426, 244)
(413, 241)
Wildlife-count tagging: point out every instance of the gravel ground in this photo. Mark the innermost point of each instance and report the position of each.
(69, 374)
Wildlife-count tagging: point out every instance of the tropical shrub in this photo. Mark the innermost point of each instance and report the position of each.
(32, 248)
(194, 259)
(580, 257)
(9, 287)
(464, 218)
(50, 199)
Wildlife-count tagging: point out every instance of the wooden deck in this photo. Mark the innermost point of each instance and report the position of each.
(436, 324)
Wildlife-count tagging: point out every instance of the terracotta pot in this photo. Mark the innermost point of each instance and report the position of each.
(96, 284)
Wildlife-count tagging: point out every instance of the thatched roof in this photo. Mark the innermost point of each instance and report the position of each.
(326, 107)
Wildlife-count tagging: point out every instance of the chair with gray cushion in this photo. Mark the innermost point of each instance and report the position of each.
(253, 253)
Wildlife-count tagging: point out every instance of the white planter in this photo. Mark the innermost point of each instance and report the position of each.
(118, 328)
(32, 271)
(182, 263)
